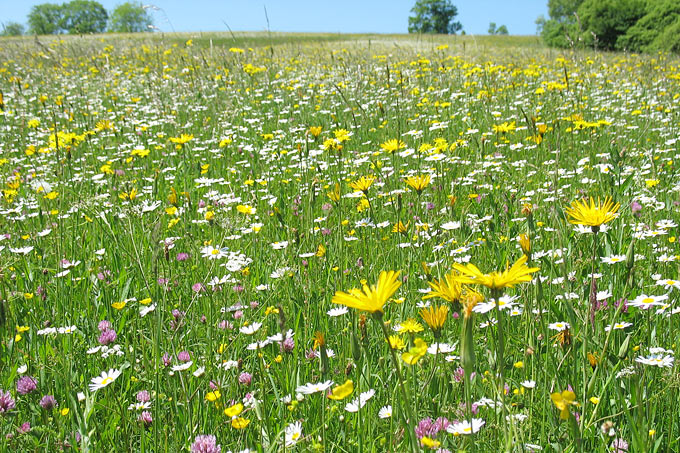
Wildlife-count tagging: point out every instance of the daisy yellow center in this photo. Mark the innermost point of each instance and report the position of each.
(647, 300)
(467, 429)
(107, 380)
(215, 252)
(296, 436)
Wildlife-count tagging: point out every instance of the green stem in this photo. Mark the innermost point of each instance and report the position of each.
(404, 397)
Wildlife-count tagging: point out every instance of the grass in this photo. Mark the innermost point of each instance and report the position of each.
(170, 214)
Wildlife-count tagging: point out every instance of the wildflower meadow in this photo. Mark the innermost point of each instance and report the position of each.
(337, 243)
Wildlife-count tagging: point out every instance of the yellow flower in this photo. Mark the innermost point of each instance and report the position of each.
(233, 411)
(341, 392)
(315, 131)
(435, 316)
(240, 423)
(392, 145)
(341, 135)
(370, 298)
(418, 183)
(213, 396)
(410, 326)
(582, 213)
(504, 128)
(562, 401)
(182, 139)
(172, 197)
(396, 342)
(320, 251)
(334, 195)
(399, 227)
(518, 273)
(429, 443)
(415, 353)
(449, 288)
(525, 243)
(245, 209)
(119, 305)
(65, 411)
(468, 300)
(362, 184)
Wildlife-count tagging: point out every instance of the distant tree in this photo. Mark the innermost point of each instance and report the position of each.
(502, 30)
(540, 23)
(84, 16)
(130, 17)
(45, 19)
(434, 16)
(563, 10)
(658, 29)
(603, 22)
(12, 29)
(562, 29)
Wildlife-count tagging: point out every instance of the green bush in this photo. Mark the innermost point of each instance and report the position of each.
(658, 29)
(604, 21)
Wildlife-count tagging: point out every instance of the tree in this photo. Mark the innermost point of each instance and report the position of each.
(502, 30)
(562, 29)
(130, 17)
(434, 16)
(658, 29)
(604, 21)
(84, 16)
(563, 10)
(45, 19)
(12, 29)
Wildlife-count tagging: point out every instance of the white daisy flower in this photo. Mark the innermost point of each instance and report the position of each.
(385, 412)
(466, 427)
(104, 380)
(250, 329)
(310, 388)
(559, 326)
(293, 433)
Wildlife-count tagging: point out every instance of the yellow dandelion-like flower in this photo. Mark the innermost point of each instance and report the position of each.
(418, 183)
(435, 317)
(399, 227)
(511, 276)
(591, 214)
(396, 342)
(449, 288)
(362, 184)
(370, 298)
(410, 326)
(392, 145)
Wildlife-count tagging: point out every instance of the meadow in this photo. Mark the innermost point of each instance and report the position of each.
(337, 243)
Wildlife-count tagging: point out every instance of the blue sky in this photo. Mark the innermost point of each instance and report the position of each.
(348, 16)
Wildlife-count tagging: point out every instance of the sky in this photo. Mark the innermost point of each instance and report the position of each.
(332, 16)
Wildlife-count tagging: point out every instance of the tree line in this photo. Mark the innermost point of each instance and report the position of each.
(624, 25)
(82, 17)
